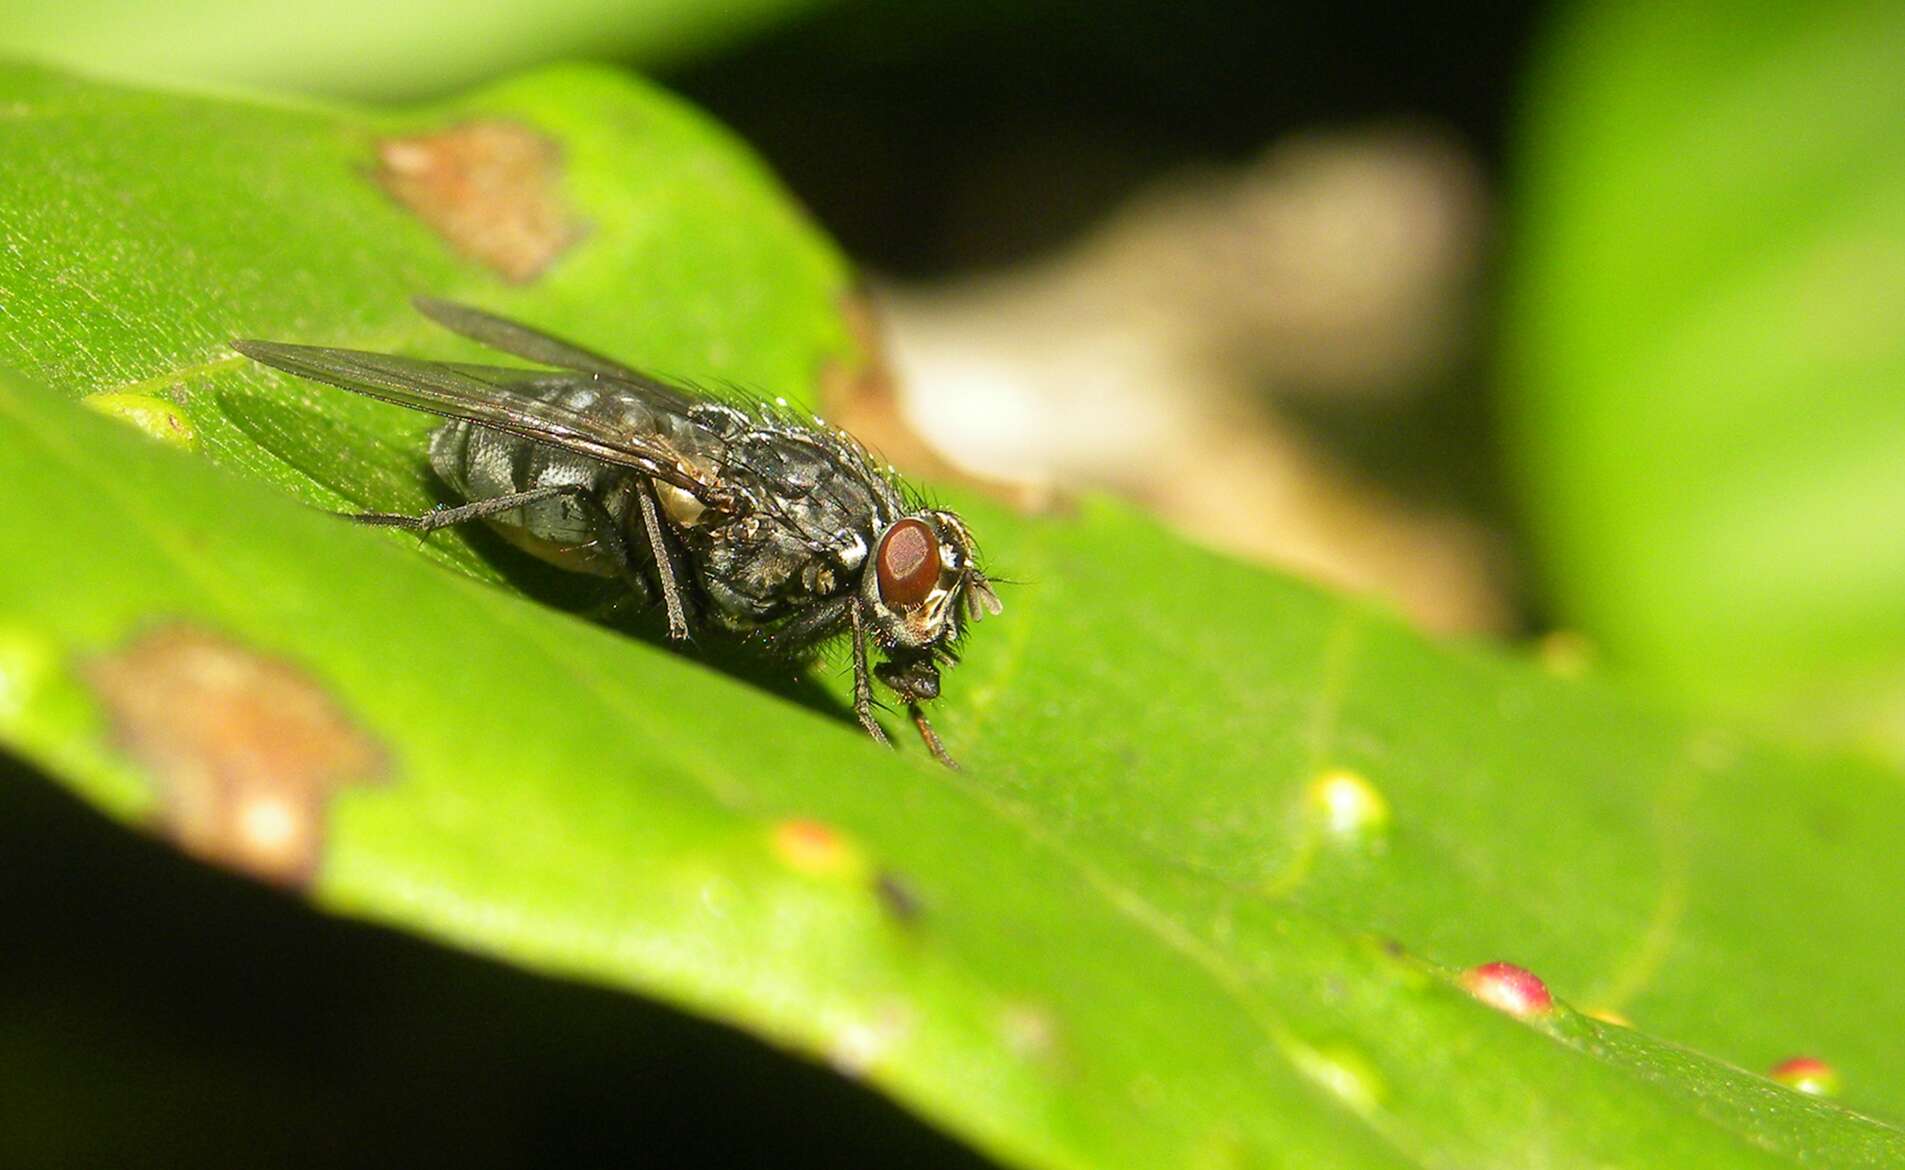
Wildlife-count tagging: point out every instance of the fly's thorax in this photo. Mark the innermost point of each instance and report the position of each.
(720, 419)
(820, 578)
(760, 567)
(810, 510)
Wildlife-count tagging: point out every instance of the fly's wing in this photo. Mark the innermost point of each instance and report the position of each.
(500, 333)
(518, 402)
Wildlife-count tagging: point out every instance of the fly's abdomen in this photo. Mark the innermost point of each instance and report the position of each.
(480, 464)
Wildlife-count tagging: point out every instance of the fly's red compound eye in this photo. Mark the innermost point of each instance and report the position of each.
(908, 564)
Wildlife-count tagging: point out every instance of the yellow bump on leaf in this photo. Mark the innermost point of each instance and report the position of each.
(164, 421)
(1345, 1073)
(1347, 806)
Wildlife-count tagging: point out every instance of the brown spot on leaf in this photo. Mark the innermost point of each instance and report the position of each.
(246, 749)
(859, 392)
(492, 189)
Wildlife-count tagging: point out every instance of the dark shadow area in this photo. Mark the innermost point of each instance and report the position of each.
(155, 1012)
(607, 603)
(947, 135)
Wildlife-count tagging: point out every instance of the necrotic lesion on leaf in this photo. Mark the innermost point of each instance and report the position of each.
(490, 188)
(246, 750)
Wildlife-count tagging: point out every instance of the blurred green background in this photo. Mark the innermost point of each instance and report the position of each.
(1657, 392)
(1705, 368)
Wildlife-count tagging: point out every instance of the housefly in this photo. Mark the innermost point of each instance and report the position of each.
(734, 512)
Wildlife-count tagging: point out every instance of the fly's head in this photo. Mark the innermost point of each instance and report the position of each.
(921, 588)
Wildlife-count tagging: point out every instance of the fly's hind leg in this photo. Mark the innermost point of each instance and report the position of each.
(608, 536)
(669, 570)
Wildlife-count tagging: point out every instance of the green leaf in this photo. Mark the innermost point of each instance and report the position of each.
(148, 229)
(1708, 350)
(1222, 842)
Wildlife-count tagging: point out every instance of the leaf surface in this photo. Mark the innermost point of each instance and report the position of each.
(1222, 840)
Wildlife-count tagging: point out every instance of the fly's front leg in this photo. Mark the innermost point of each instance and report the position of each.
(916, 681)
(931, 737)
(608, 536)
(668, 568)
(863, 677)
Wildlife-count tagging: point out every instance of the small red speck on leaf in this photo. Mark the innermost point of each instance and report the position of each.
(1508, 988)
(1808, 1074)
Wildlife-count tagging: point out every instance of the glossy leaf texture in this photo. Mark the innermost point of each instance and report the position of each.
(1223, 844)
(1707, 351)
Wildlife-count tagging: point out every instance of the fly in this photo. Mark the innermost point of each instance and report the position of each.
(736, 513)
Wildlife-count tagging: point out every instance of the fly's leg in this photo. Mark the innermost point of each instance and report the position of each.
(608, 536)
(911, 691)
(915, 679)
(863, 678)
(821, 623)
(430, 521)
(806, 629)
(931, 737)
(668, 570)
